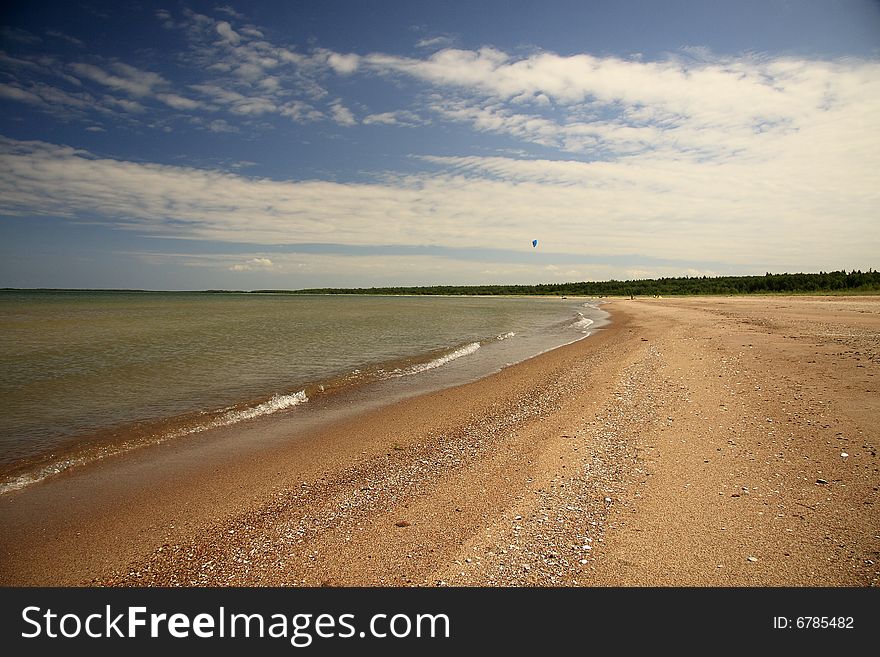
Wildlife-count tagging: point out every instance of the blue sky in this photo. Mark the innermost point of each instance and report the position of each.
(192, 145)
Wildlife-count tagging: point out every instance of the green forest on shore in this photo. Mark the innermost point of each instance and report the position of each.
(835, 282)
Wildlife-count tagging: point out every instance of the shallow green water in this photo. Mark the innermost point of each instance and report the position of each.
(76, 363)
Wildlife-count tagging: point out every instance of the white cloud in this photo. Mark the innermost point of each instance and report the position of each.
(219, 125)
(38, 65)
(167, 20)
(713, 107)
(179, 102)
(580, 78)
(225, 30)
(122, 77)
(252, 264)
(796, 213)
(341, 114)
(131, 106)
(236, 102)
(247, 75)
(399, 118)
(296, 270)
(229, 11)
(725, 159)
(65, 37)
(63, 103)
(249, 72)
(497, 118)
(13, 92)
(434, 43)
(343, 64)
(124, 90)
(300, 111)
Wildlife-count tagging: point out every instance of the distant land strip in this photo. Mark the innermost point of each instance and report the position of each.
(834, 282)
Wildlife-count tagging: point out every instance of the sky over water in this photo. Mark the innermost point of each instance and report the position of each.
(189, 145)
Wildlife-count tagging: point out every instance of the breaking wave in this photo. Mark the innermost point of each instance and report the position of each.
(277, 403)
(273, 405)
(437, 362)
(582, 323)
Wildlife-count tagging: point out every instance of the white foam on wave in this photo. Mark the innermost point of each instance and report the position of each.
(437, 362)
(582, 324)
(504, 336)
(33, 477)
(275, 404)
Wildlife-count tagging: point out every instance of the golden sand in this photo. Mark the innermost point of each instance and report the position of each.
(694, 441)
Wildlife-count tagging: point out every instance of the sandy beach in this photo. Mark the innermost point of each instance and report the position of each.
(692, 442)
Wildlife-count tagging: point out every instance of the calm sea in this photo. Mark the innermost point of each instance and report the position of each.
(86, 374)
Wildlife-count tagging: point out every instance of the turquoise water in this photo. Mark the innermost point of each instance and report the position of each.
(84, 368)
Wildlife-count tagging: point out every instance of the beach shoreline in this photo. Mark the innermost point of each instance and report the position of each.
(692, 441)
(85, 380)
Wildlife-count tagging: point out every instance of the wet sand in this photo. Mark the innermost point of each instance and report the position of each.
(694, 441)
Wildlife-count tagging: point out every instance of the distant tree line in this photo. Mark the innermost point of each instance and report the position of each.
(839, 282)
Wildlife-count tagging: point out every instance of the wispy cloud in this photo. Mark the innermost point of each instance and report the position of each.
(18, 35)
(729, 212)
(225, 30)
(693, 156)
(230, 11)
(341, 114)
(67, 92)
(435, 43)
(344, 64)
(55, 34)
(301, 269)
(252, 264)
(711, 107)
(219, 125)
(233, 69)
(396, 118)
(45, 96)
(691, 104)
(253, 72)
(122, 77)
(179, 102)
